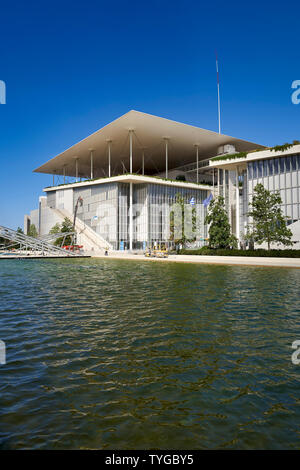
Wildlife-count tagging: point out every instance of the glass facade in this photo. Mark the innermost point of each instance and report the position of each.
(161, 198)
(226, 189)
(282, 174)
(106, 210)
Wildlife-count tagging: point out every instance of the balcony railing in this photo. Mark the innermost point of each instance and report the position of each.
(190, 167)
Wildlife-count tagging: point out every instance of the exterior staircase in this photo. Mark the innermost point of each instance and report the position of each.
(86, 236)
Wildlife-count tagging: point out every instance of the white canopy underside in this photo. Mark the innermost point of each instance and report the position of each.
(149, 135)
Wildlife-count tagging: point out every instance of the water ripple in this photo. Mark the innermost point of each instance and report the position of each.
(105, 354)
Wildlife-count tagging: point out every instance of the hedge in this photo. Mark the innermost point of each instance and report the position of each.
(227, 252)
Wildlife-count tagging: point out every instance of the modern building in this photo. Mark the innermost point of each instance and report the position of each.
(277, 168)
(125, 178)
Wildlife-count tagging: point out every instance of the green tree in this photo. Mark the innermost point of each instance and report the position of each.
(178, 223)
(268, 222)
(4, 242)
(32, 232)
(65, 227)
(19, 230)
(219, 227)
(55, 229)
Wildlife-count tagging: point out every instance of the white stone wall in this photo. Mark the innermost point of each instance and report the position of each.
(48, 219)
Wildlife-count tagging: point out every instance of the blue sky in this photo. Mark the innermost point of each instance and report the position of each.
(72, 67)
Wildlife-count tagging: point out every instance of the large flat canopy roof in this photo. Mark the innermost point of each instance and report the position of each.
(149, 134)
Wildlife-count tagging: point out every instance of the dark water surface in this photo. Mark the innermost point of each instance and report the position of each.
(110, 354)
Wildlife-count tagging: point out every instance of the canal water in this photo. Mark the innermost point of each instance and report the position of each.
(108, 354)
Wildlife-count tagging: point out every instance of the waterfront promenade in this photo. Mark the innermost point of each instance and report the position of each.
(230, 260)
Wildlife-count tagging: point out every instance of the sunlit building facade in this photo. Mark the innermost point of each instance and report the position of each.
(277, 169)
(123, 181)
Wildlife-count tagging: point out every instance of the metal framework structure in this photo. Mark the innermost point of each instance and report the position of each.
(31, 246)
(53, 236)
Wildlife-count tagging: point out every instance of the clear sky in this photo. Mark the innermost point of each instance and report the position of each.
(71, 67)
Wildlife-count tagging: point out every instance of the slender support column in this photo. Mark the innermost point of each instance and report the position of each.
(92, 165)
(229, 189)
(218, 173)
(197, 162)
(213, 182)
(64, 174)
(109, 157)
(167, 154)
(130, 216)
(76, 169)
(53, 179)
(130, 148)
(237, 205)
(143, 163)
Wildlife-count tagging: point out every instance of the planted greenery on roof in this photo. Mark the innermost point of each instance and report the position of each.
(276, 148)
(283, 147)
(231, 156)
(201, 183)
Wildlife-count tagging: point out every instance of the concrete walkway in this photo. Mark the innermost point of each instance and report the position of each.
(231, 260)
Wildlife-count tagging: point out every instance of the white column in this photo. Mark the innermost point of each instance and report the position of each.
(109, 158)
(167, 156)
(130, 148)
(230, 200)
(92, 165)
(237, 205)
(76, 169)
(197, 162)
(130, 216)
(143, 163)
(213, 182)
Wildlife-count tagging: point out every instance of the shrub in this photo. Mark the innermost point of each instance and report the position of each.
(234, 252)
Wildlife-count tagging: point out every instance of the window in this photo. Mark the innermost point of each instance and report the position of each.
(265, 168)
(294, 162)
(270, 164)
(288, 163)
(250, 172)
(260, 168)
(254, 169)
(276, 164)
(281, 164)
(221, 177)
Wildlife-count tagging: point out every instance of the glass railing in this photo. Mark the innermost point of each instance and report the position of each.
(193, 166)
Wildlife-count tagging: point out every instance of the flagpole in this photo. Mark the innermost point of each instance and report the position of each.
(218, 85)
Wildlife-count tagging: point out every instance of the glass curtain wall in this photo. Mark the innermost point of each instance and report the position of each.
(282, 174)
(160, 200)
(106, 210)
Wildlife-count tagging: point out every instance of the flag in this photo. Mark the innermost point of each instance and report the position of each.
(207, 200)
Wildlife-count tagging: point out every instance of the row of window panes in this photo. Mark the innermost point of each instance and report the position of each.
(273, 166)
